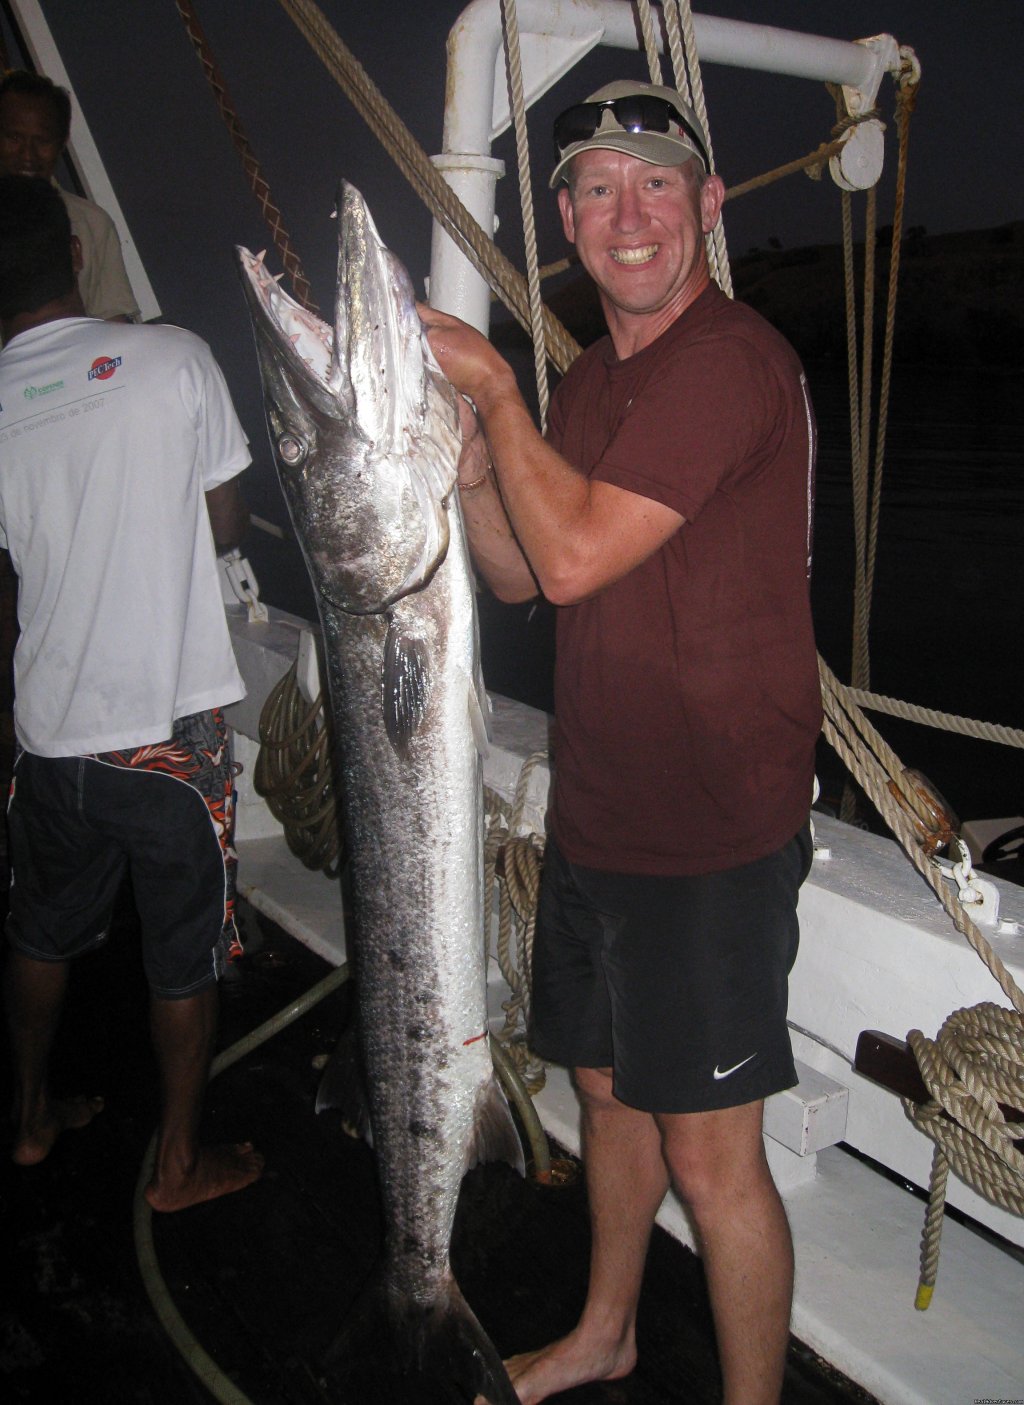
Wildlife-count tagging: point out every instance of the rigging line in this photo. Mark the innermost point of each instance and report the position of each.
(423, 176)
(906, 97)
(517, 106)
(646, 18)
(257, 181)
(819, 158)
(680, 13)
(928, 717)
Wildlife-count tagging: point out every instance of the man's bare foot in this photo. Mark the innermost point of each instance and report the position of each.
(218, 1171)
(34, 1142)
(562, 1366)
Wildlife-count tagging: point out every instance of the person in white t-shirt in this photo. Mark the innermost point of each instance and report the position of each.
(119, 460)
(35, 123)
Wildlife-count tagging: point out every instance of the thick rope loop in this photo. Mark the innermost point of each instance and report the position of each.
(513, 862)
(295, 775)
(974, 1071)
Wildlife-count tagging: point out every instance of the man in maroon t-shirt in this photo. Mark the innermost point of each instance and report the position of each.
(668, 514)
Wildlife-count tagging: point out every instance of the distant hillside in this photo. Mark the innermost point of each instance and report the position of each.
(961, 297)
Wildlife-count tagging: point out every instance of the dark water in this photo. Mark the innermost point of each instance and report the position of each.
(949, 585)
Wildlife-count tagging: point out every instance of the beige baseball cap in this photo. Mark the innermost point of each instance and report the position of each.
(641, 119)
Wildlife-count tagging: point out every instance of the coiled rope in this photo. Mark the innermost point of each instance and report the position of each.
(295, 774)
(513, 861)
(974, 1070)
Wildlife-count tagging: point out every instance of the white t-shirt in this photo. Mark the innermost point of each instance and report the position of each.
(109, 437)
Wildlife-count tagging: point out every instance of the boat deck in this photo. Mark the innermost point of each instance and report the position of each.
(263, 1278)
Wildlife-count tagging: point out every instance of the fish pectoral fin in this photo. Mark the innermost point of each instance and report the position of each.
(343, 1087)
(495, 1137)
(405, 684)
(479, 714)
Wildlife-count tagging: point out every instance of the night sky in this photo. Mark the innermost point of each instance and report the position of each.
(171, 160)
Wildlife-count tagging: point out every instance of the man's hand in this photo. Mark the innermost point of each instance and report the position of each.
(468, 359)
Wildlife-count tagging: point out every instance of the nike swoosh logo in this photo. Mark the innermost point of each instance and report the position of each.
(724, 1073)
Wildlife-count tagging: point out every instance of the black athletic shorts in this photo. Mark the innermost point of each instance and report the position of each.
(679, 985)
(164, 812)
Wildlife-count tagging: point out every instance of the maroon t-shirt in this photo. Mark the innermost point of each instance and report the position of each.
(687, 702)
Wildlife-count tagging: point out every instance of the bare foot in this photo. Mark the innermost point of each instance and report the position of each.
(33, 1142)
(563, 1365)
(218, 1171)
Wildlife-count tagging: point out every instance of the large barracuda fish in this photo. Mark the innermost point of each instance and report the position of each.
(365, 432)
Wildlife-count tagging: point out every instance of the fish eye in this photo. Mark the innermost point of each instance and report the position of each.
(292, 449)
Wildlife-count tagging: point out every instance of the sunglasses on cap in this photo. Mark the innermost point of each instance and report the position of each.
(642, 112)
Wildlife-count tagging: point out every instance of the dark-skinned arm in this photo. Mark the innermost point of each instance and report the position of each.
(229, 516)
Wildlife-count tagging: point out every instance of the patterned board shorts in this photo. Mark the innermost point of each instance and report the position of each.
(163, 813)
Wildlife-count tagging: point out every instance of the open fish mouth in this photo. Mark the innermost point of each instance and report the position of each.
(364, 427)
(311, 339)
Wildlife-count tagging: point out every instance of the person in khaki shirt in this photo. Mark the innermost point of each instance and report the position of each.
(35, 121)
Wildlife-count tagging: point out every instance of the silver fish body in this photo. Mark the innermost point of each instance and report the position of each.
(365, 432)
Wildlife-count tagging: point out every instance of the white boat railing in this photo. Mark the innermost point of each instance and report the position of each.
(555, 35)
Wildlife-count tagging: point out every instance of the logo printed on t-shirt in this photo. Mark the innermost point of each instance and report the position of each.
(104, 367)
(31, 391)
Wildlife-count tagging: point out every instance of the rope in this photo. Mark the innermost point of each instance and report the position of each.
(250, 163)
(874, 764)
(814, 162)
(517, 106)
(681, 42)
(514, 861)
(425, 179)
(905, 100)
(646, 18)
(688, 69)
(977, 1060)
(295, 775)
(966, 726)
(867, 483)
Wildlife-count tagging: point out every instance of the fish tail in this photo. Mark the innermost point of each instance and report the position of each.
(458, 1351)
(443, 1341)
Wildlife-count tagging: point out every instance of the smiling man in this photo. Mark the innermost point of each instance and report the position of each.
(668, 514)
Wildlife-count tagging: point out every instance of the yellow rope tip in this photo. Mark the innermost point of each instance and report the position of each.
(924, 1296)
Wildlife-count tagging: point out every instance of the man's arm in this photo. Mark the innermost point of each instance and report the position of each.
(496, 553)
(578, 536)
(229, 516)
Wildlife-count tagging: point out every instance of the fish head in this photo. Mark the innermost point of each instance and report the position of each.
(363, 424)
